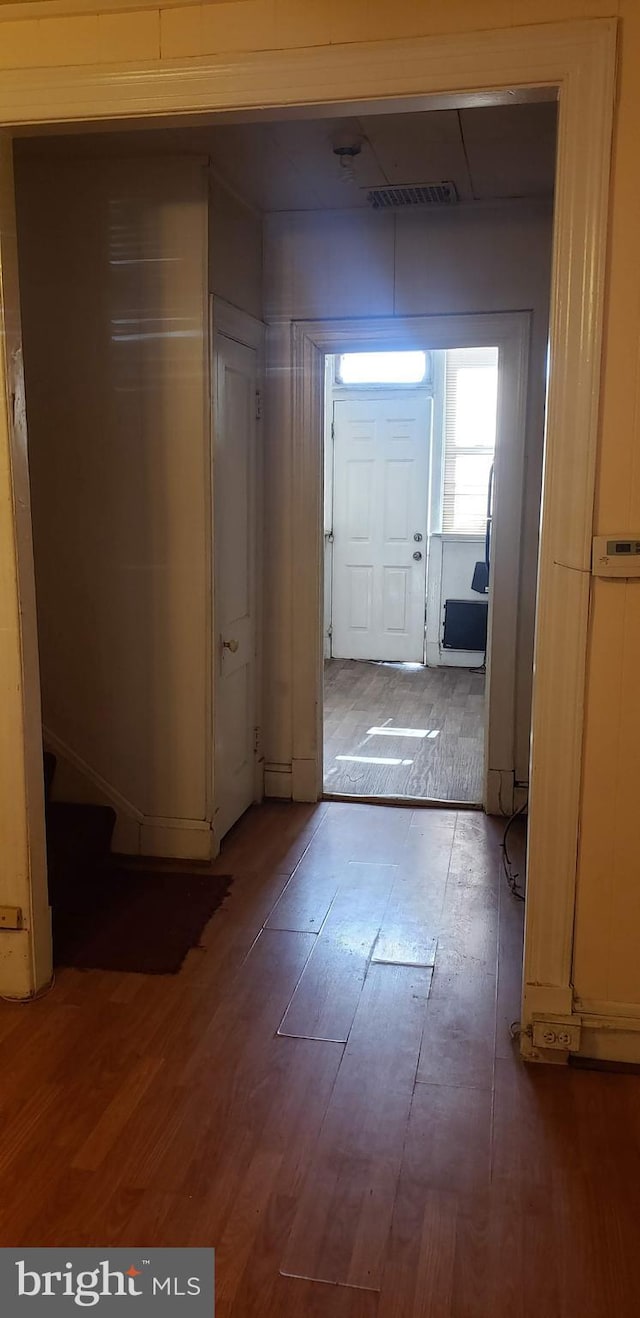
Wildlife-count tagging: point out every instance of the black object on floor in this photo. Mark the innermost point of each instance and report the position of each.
(136, 920)
(465, 625)
(108, 915)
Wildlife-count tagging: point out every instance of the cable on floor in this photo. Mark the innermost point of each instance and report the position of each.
(512, 875)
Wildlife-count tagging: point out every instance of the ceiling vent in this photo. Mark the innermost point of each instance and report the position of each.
(412, 194)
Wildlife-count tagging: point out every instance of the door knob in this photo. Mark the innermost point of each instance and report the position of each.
(231, 645)
(417, 555)
(418, 536)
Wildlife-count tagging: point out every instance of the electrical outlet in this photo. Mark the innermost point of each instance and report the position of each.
(561, 1033)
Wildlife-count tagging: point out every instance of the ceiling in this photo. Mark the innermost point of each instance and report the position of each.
(489, 152)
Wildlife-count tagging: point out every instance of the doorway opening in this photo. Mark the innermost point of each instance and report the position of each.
(410, 438)
(563, 593)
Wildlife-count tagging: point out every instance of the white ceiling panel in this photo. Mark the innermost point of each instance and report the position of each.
(420, 148)
(511, 153)
(288, 165)
(494, 152)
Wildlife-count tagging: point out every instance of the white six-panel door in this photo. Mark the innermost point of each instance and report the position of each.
(380, 501)
(235, 377)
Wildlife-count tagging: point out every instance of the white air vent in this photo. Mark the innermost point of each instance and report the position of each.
(412, 194)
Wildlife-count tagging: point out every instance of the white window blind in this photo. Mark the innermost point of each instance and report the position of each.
(470, 408)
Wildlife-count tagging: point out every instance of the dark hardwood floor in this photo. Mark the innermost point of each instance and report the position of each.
(329, 1098)
(403, 730)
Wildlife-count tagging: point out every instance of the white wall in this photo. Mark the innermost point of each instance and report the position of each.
(113, 272)
(449, 574)
(235, 250)
(359, 263)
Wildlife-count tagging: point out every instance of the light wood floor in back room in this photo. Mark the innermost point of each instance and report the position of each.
(329, 1095)
(439, 755)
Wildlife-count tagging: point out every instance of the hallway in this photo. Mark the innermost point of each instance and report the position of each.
(328, 1092)
(440, 759)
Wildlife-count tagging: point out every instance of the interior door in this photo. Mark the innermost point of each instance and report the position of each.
(235, 378)
(381, 473)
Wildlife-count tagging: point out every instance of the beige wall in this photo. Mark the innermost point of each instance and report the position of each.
(359, 263)
(235, 250)
(113, 286)
(607, 930)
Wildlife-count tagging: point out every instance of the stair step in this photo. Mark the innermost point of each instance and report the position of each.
(78, 850)
(79, 832)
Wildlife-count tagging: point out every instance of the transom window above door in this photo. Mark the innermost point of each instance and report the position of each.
(381, 368)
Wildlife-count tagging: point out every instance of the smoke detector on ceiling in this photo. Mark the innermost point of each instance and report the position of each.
(401, 196)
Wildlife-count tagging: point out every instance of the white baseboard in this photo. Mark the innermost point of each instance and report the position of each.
(460, 658)
(277, 781)
(134, 834)
(184, 839)
(609, 1031)
(437, 657)
(602, 1039)
(611, 1042)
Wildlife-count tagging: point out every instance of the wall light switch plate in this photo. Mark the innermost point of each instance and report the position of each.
(616, 556)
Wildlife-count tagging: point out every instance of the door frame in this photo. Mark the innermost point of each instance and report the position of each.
(311, 343)
(498, 66)
(249, 332)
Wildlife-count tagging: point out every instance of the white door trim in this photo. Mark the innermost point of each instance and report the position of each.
(437, 71)
(241, 327)
(311, 342)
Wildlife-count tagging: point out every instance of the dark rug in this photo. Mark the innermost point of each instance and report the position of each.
(138, 920)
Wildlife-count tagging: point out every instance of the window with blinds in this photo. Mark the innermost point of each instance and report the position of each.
(470, 409)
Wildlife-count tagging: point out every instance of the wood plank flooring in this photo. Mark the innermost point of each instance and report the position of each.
(439, 755)
(400, 1164)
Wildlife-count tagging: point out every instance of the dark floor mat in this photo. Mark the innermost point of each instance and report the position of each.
(138, 920)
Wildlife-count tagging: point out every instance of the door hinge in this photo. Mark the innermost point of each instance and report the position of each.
(256, 740)
(333, 429)
(258, 405)
(330, 629)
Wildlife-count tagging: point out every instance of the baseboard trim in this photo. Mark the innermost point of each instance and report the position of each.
(610, 1039)
(134, 834)
(609, 1031)
(181, 839)
(277, 782)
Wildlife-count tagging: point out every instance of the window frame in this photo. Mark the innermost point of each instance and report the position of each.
(375, 385)
(463, 450)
